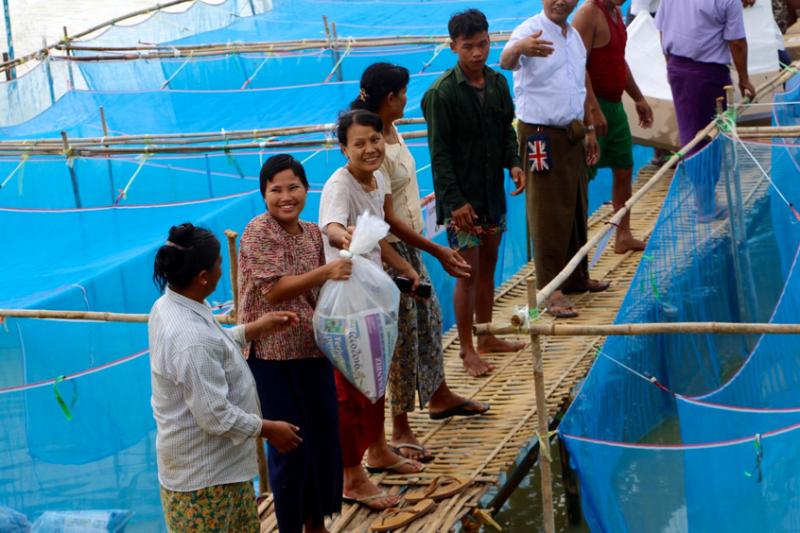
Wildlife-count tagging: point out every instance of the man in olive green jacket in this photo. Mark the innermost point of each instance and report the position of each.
(469, 112)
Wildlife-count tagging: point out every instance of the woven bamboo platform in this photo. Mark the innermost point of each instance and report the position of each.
(482, 448)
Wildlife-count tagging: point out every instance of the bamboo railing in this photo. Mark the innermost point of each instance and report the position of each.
(656, 328)
(92, 316)
(152, 52)
(179, 143)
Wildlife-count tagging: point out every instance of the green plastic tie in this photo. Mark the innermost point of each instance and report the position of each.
(759, 457)
(233, 162)
(534, 314)
(63, 404)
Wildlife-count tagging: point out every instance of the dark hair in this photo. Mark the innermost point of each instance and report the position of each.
(467, 23)
(188, 251)
(362, 117)
(377, 82)
(279, 163)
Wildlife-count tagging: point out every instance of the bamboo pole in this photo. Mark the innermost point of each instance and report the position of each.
(94, 316)
(47, 146)
(109, 166)
(151, 149)
(273, 46)
(541, 418)
(70, 166)
(263, 479)
(336, 56)
(657, 328)
(234, 269)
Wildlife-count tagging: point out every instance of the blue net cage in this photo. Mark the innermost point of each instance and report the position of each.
(81, 233)
(697, 432)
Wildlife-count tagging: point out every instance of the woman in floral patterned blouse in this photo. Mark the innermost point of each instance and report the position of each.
(281, 267)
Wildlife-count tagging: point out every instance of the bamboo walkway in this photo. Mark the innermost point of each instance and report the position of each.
(485, 447)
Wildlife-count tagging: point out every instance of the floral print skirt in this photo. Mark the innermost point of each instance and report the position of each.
(418, 363)
(222, 508)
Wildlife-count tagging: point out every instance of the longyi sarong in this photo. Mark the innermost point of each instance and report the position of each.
(557, 205)
(227, 508)
(695, 89)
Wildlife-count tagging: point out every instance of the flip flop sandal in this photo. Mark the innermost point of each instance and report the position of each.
(441, 487)
(427, 457)
(366, 499)
(561, 308)
(395, 468)
(397, 517)
(459, 410)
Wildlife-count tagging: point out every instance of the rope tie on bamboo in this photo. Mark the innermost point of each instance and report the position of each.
(544, 444)
(347, 51)
(256, 71)
(20, 168)
(123, 193)
(177, 70)
(438, 50)
(756, 471)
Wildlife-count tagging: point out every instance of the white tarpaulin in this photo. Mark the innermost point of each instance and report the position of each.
(646, 60)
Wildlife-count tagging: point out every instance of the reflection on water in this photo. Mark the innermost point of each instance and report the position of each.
(662, 474)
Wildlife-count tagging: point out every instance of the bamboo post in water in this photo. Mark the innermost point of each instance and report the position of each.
(541, 416)
(263, 480)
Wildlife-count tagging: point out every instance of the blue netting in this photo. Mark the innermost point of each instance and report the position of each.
(701, 432)
(87, 441)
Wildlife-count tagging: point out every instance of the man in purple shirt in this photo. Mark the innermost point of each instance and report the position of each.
(699, 37)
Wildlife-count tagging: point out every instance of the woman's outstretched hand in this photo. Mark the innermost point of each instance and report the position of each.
(269, 323)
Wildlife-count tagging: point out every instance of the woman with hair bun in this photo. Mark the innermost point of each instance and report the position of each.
(203, 396)
(417, 369)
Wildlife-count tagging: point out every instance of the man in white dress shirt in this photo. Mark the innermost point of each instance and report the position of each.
(557, 140)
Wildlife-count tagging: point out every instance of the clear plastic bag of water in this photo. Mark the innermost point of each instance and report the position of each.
(355, 322)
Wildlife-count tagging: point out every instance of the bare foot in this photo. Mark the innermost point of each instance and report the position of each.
(625, 242)
(474, 365)
(492, 344)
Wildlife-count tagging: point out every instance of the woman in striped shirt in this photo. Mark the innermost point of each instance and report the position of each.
(203, 396)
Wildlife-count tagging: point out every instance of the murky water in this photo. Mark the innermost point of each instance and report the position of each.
(523, 511)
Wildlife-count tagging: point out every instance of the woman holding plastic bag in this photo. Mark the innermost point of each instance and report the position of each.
(350, 191)
(418, 365)
(281, 268)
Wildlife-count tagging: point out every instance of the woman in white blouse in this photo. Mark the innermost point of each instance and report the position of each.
(417, 371)
(204, 396)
